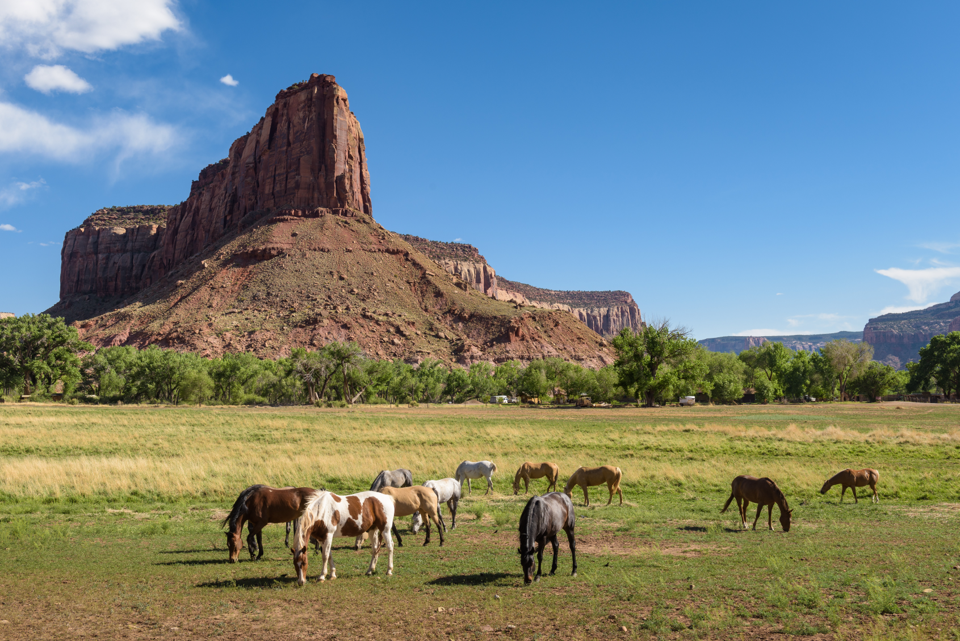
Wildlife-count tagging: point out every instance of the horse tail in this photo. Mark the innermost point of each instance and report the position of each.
(729, 501)
(239, 509)
(439, 515)
(377, 484)
(493, 467)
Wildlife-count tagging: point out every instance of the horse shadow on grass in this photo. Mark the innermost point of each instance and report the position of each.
(700, 528)
(251, 583)
(218, 561)
(482, 578)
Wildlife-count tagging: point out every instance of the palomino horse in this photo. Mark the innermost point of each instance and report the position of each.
(448, 491)
(589, 476)
(326, 515)
(747, 489)
(396, 478)
(530, 470)
(541, 520)
(413, 500)
(259, 505)
(470, 470)
(854, 479)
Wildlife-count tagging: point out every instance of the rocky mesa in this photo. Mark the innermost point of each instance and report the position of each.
(276, 247)
(605, 312)
(902, 335)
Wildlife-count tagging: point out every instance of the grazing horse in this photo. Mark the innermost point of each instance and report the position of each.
(448, 491)
(762, 492)
(326, 515)
(541, 520)
(414, 500)
(259, 505)
(470, 470)
(589, 476)
(530, 470)
(396, 478)
(854, 479)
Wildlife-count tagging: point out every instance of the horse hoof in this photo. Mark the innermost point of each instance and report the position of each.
(231, 560)
(573, 574)
(537, 579)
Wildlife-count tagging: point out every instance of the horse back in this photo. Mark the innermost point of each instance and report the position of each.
(763, 491)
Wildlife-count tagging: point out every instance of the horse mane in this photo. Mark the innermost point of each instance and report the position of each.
(307, 515)
(240, 507)
(526, 525)
(833, 480)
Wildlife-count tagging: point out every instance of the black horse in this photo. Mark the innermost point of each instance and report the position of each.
(396, 478)
(541, 520)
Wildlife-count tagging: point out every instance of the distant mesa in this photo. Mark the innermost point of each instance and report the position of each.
(605, 312)
(797, 342)
(276, 247)
(902, 335)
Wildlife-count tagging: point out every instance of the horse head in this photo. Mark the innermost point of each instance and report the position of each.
(785, 519)
(300, 564)
(234, 545)
(417, 522)
(526, 561)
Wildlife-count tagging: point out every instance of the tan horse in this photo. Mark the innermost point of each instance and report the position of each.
(854, 479)
(589, 476)
(530, 470)
(763, 492)
(413, 500)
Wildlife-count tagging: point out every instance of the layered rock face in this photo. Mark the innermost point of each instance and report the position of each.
(797, 342)
(902, 335)
(306, 153)
(276, 248)
(605, 312)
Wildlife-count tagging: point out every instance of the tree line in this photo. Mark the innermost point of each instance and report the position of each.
(40, 355)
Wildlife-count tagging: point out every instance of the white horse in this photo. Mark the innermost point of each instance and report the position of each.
(448, 491)
(470, 470)
(327, 515)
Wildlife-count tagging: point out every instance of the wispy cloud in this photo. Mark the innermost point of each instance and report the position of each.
(779, 293)
(229, 81)
(6, 227)
(17, 192)
(123, 135)
(50, 78)
(46, 28)
(458, 240)
(764, 332)
(923, 283)
(896, 309)
(943, 248)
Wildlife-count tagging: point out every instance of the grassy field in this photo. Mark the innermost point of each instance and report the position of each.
(110, 524)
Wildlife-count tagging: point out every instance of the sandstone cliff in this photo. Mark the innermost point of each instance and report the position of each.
(605, 312)
(902, 335)
(796, 342)
(276, 248)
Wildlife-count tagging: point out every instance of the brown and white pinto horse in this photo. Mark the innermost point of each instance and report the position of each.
(327, 515)
(530, 470)
(259, 505)
(747, 489)
(589, 476)
(854, 479)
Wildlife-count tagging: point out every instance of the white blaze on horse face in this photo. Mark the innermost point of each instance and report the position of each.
(300, 564)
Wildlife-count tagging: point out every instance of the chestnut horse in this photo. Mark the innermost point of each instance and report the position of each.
(589, 476)
(762, 492)
(541, 520)
(530, 470)
(259, 505)
(854, 479)
(326, 515)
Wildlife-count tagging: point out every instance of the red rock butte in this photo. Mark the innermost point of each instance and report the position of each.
(276, 247)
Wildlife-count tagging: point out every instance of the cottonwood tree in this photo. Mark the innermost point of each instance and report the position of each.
(876, 380)
(37, 351)
(848, 360)
(655, 358)
(939, 362)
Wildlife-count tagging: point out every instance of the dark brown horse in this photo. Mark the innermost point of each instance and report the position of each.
(259, 505)
(763, 492)
(854, 479)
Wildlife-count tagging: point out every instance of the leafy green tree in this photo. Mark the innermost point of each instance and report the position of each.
(231, 374)
(823, 380)
(534, 382)
(457, 385)
(107, 373)
(654, 359)
(939, 363)
(725, 377)
(404, 385)
(848, 360)
(876, 380)
(604, 385)
(507, 376)
(160, 373)
(482, 383)
(798, 374)
(37, 351)
(197, 386)
(345, 357)
(769, 360)
(431, 375)
(312, 369)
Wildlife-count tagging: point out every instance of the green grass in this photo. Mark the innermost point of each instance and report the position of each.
(138, 558)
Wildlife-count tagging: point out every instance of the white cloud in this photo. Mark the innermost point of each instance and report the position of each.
(228, 80)
(943, 248)
(923, 283)
(894, 309)
(47, 78)
(458, 240)
(762, 332)
(17, 193)
(45, 28)
(123, 134)
(6, 227)
(779, 293)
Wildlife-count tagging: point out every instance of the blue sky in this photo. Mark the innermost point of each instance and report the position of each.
(747, 167)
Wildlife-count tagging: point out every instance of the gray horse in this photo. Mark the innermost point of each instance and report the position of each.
(541, 520)
(396, 478)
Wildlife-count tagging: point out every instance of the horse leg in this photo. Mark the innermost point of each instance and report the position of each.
(286, 541)
(452, 504)
(855, 499)
(526, 484)
(742, 509)
(440, 529)
(489, 484)
(252, 542)
(469, 486)
(573, 550)
(442, 522)
(426, 526)
(876, 497)
(374, 550)
(325, 557)
(540, 543)
(260, 544)
(399, 540)
(586, 497)
(556, 548)
(843, 490)
(610, 489)
(770, 517)
(759, 510)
